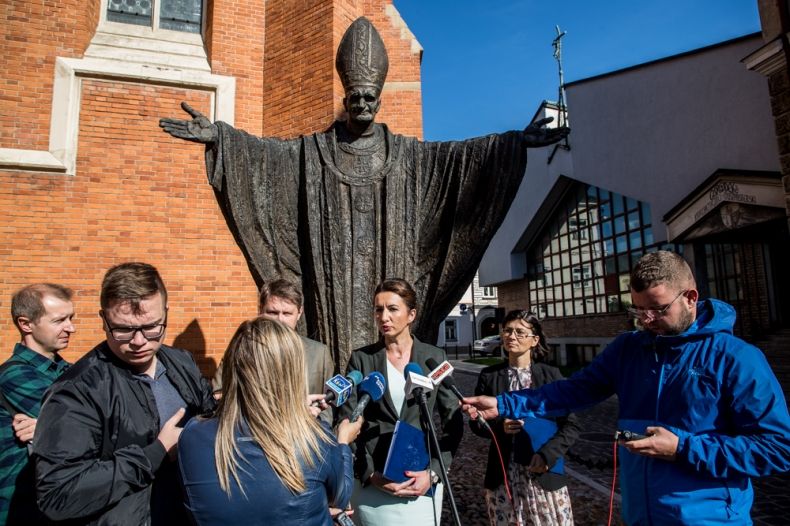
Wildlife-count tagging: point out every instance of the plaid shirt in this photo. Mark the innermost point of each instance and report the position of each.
(23, 385)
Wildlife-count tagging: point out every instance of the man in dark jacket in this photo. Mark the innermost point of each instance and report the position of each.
(108, 428)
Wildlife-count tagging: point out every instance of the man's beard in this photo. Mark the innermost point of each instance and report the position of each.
(685, 321)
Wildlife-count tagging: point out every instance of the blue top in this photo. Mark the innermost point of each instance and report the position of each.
(267, 500)
(708, 387)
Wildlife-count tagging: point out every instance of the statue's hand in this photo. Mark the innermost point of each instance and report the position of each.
(199, 129)
(536, 135)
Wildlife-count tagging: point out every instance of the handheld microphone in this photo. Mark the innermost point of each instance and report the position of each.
(372, 387)
(416, 382)
(441, 374)
(338, 388)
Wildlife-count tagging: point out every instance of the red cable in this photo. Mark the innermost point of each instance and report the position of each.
(504, 474)
(614, 480)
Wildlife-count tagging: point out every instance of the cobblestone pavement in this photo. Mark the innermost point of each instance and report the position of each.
(589, 467)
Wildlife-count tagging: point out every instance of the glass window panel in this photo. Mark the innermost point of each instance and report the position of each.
(606, 229)
(604, 194)
(557, 278)
(555, 245)
(610, 266)
(605, 211)
(633, 220)
(555, 262)
(567, 292)
(646, 215)
(613, 303)
(648, 236)
(621, 244)
(575, 257)
(180, 15)
(136, 12)
(566, 275)
(625, 300)
(631, 204)
(564, 242)
(550, 310)
(547, 279)
(533, 296)
(608, 247)
(622, 263)
(619, 225)
(635, 255)
(617, 204)
(578, 307)
(635, 238)
(592, 193)
(569, 308)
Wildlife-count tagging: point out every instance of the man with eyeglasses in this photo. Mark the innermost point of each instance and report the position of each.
(712, 410)
(108, 428)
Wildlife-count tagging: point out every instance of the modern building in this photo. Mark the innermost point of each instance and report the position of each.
(677, 153)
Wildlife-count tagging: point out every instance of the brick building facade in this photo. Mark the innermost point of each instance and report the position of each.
(87, 178)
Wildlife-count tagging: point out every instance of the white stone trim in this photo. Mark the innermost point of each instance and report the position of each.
(768, 59)
(64, 124)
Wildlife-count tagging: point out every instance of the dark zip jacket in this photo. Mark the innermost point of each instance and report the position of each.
(96, 451)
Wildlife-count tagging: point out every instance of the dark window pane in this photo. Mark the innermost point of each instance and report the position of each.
(622, 244)
(636, 239)
(606, 229)
(633, 220)
(619, 225)
(129, 12)
(631, 204)
(646, 215)
(610, 268)
(608, 247)
(605, 211)
(617, 204)
(181, 15)
(648, 236)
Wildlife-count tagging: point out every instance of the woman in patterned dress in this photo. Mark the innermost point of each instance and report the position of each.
(540, 496)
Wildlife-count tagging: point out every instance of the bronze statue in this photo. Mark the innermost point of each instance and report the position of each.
(341, 210)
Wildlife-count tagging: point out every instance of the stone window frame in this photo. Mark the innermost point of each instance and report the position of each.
(127, 53)
(450, 330)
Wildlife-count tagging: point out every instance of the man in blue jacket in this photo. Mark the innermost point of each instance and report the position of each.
(712, 409)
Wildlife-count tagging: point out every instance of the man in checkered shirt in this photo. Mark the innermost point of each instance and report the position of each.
(43, 313)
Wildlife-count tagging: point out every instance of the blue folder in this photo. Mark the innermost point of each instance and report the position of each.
(407, 452)
(538, 431)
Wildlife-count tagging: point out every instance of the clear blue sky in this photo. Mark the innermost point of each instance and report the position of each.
(487, 64)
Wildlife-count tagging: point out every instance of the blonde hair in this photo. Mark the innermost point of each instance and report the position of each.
(265, 386)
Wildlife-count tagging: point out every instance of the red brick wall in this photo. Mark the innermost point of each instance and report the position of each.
(139, 194)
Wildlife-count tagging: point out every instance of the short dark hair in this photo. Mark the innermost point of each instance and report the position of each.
(660, 267)
(130, 283)
(541, 350)
(282, 288)
(28, 301)
(402, 288)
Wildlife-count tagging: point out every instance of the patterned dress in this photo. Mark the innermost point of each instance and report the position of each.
(531, 503)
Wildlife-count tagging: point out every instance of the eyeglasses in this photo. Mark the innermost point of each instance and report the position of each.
(127, 334)
(639, 313)
(519, 333)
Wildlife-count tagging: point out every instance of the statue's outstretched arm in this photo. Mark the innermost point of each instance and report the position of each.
(199, 129)
(536, 135)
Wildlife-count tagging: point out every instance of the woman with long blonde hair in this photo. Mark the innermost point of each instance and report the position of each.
(263, 458)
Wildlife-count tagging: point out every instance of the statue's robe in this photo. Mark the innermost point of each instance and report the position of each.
(426, 216)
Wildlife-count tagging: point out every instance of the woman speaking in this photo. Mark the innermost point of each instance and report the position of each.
(377, 500)
(263, 458)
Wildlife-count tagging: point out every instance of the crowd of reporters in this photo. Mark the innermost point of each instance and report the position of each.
(132, 433)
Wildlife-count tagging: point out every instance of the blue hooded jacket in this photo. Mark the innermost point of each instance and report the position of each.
(708, 387)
